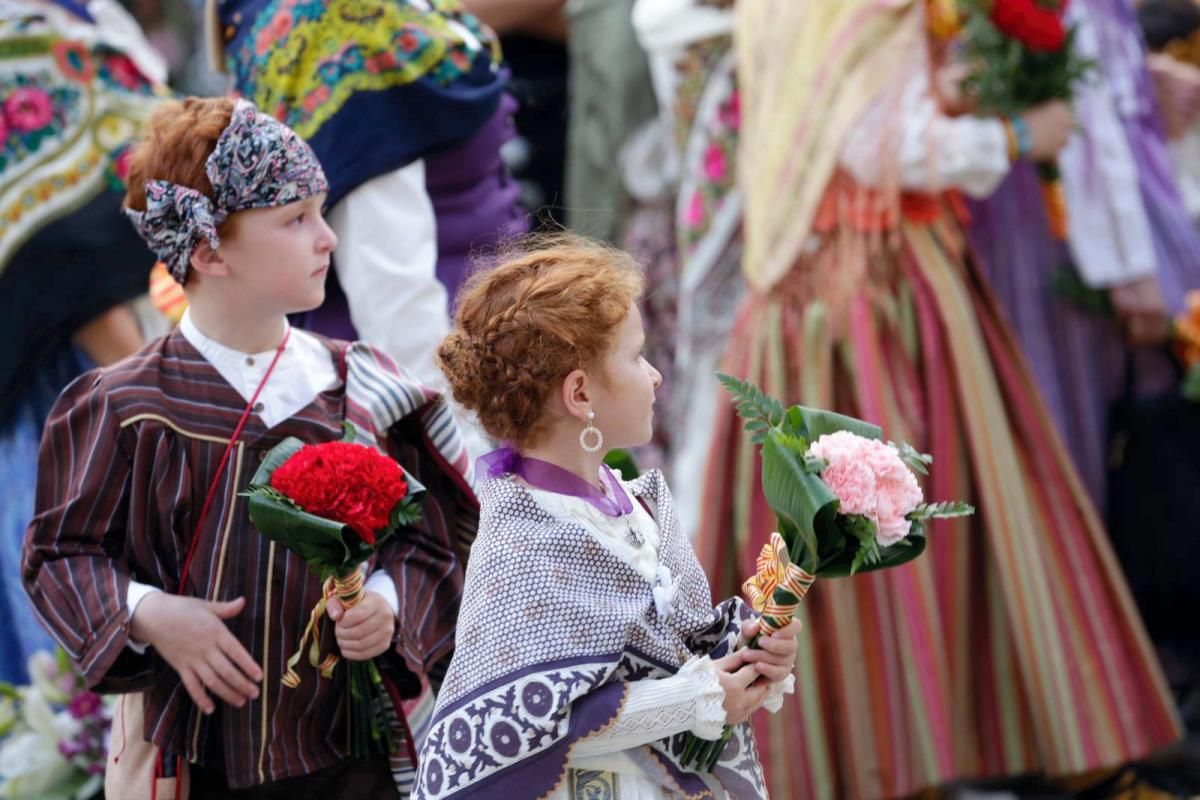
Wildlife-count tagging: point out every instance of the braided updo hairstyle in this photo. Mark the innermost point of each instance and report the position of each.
(551, 305)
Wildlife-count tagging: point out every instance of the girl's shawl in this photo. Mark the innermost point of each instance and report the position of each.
(553, 628)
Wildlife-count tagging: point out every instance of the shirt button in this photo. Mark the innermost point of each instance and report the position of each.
(249, 361)
(258, 407)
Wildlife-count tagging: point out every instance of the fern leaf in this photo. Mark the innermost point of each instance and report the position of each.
(751, 402)
(915, 460)
(946, 510)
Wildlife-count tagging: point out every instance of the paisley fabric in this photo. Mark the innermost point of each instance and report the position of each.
(257, 163)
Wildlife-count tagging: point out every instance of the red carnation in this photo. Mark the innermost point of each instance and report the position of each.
(348, 483)
(1036, 25)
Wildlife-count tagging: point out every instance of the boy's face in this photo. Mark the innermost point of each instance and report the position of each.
(279, 257)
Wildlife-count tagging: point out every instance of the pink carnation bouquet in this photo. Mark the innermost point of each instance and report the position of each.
(845, 502)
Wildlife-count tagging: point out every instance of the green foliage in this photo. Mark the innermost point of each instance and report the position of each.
(622, 460)
(917, 461)
(946, 510)
(761, 411)
(1008, 77)
(1191, 383)
(867, 553)
(1070, 287)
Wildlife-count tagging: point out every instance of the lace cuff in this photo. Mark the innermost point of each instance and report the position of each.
(690, 700)
(774, 700)
(701, 674)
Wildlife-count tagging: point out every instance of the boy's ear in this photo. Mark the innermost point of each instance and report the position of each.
(208, 261)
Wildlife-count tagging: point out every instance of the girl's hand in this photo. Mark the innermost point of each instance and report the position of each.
(364, 631)
(775, 655)
(744, 693)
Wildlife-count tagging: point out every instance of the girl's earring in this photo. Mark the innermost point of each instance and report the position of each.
(591, 431)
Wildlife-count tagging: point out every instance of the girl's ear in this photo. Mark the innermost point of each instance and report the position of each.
(576, 395)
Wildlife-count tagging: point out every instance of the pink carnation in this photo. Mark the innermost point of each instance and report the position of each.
(870, 479)
(848, 475)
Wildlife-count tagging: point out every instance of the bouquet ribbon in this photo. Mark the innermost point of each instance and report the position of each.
(349, 590)
(777, 588)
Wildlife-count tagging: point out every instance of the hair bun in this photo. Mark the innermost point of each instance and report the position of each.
(551, 305)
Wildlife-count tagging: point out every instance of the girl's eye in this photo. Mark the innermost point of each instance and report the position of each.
(299, 218)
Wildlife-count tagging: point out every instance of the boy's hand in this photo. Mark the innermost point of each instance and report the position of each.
(364, 631)
(190, 634)
(776, 654)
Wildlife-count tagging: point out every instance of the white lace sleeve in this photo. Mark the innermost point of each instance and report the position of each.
(935, 152)
(774, 700)
(690, 700)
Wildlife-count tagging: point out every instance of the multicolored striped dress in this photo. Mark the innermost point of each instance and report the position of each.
(1012, 646)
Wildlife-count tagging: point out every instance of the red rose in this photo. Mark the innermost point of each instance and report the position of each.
(1037, 26)
(349, 483)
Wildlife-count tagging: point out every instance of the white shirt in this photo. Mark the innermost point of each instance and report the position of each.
(386, 262)
(1109, 229)
(305, 369)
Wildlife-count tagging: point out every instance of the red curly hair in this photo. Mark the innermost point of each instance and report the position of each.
(175, 144)
(551, 305)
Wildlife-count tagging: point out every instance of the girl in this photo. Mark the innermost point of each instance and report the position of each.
(587, 640)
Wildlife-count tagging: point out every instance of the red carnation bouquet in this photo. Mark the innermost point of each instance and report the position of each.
(1021, 55)
(333, 505)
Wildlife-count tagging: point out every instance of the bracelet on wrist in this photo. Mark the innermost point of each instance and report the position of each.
(1023, 136)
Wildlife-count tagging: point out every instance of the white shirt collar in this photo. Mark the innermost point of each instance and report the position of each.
(215, 352)
(304, 370)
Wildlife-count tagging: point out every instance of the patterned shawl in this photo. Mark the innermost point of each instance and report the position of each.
(808, 69)
(553, 627)
(371, 84)
(72, 106)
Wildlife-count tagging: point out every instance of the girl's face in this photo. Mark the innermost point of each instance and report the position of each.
(623, 397)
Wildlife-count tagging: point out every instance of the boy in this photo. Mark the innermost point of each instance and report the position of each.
(231, 201)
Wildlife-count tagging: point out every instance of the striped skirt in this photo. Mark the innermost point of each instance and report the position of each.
(1012, 646)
